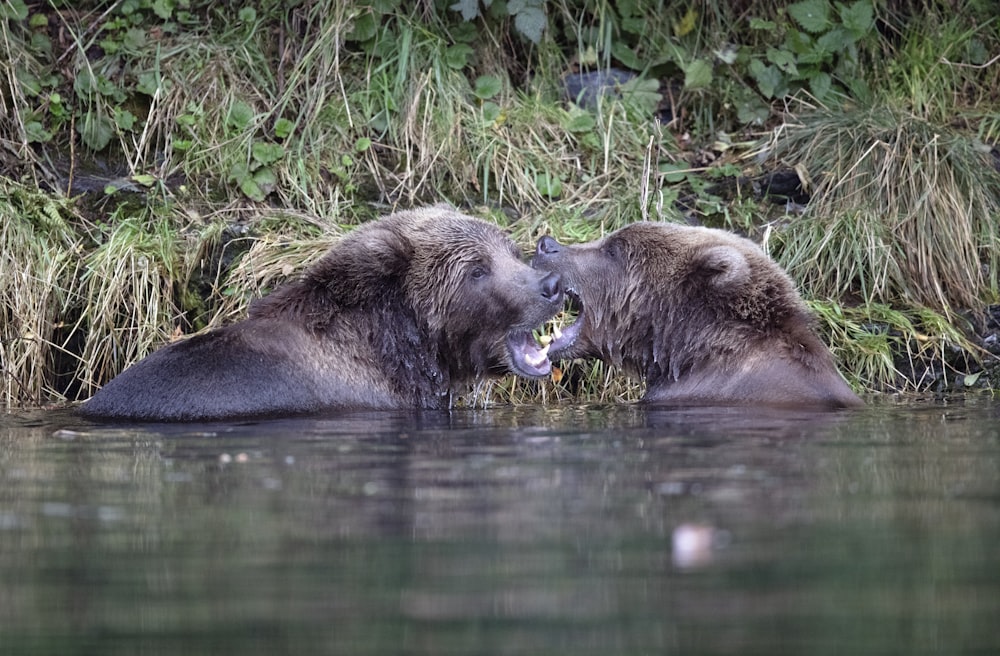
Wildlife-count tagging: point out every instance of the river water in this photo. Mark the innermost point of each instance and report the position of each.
(529, 530)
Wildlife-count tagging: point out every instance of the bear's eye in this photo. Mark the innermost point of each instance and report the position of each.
(478, 272)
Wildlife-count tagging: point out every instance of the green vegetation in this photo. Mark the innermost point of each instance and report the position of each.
(164, 162)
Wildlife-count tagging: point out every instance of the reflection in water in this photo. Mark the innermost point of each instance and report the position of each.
(570, 529)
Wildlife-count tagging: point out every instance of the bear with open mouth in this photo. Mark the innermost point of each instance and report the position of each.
(403, 312)
(703, 315)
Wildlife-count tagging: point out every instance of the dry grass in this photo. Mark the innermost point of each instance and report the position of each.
(39, 260)
(127, 282)
(902, 210)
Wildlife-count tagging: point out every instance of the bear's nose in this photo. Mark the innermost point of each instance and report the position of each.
(551, 287)
(548, 246)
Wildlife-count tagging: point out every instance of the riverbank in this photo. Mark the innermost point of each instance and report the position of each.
(162, 164)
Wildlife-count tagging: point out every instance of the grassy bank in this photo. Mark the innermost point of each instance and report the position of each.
(164, 163)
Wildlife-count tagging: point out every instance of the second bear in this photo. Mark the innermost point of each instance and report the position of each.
(702, 314)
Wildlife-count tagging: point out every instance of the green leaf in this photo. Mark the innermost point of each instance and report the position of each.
(761, 24)
(365, 28)
(820, 84)
(247, 15)
(858, 18)
(134, 39)
(698, 74)
(182, 144)
(362, 144)
(783, 59)
(85, 84)
(491, 112)
(124, 119)
(487, 86)
(163, 8)
(579, 121)
(529, 18)
(812, 15)
(626, 55)
(266, 180)
(642, 93)
(970, 379)
(238, 171)
(266, 153)
(457, 56)
(752, 111)
(798, 42)
(36, 132)
(834, 41)
(548, 185)
(95, 130)
(240, 115)
(636, 25)
(675, 171)
(147, 83)
(283, 128)
(144, 179)
(769, 79)
(379, 121)
(629, 8)
(251, 189)
(41, 44)
(13, 10)
(468, 8)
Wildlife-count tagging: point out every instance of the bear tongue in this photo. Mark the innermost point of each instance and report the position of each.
(527, 357)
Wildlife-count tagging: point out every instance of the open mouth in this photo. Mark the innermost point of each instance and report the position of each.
(530, 357)
(565, 327)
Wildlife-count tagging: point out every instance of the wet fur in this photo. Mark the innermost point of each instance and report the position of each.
(389, 318)
(702, 314)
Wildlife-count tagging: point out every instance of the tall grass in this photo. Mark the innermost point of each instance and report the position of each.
(128, 285)
(39, 260)
(903, 210)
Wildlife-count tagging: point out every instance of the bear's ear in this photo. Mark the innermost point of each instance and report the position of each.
(724, 266)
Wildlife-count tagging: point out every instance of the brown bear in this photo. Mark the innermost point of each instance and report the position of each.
(401, 313)
(703, 315)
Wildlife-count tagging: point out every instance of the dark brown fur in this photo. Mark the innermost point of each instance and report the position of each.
(703, 315)
(401, 313)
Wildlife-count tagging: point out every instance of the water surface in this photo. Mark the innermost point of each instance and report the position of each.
(559, 530)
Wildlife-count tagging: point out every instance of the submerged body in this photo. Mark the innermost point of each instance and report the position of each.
(703, 315)
(401, 313)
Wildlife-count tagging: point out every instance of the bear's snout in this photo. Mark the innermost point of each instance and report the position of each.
(547, 246)
(551, 287)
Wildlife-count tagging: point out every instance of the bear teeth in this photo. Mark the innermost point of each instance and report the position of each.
(538, 358)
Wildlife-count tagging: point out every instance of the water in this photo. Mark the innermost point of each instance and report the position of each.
(566, 530)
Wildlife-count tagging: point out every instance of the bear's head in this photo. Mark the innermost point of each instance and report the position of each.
(442, 295)
(660, 299)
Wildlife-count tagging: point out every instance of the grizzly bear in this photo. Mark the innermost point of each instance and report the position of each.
(703, 315)
(401, 313)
